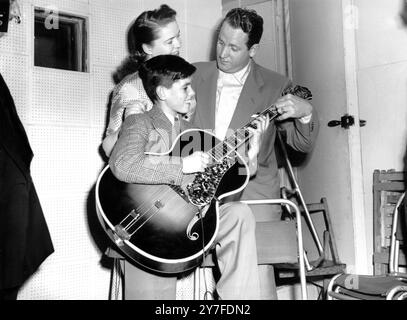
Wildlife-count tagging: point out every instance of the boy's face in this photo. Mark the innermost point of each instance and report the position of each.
(180, 97)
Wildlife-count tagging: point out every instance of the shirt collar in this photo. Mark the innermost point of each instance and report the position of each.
(240, 75)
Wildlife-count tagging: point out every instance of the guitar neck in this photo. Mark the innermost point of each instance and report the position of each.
(239, 137)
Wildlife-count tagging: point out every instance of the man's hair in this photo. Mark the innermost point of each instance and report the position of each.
(163, 70)
(249, 21)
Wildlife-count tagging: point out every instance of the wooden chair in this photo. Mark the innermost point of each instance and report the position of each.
(388, 286)
(327, 263)
(388, 185)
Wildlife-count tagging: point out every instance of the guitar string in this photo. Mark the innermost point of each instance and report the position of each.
(144, 207)
(273, 115)
(217, 153)
(141, 208)
(147, 209)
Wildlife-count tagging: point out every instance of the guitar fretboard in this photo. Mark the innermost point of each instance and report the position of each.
(227, 147)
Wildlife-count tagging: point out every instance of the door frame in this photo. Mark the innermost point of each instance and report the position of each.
(350, 24)
(350, 20)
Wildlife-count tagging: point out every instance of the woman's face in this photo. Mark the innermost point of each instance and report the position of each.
(168, 41)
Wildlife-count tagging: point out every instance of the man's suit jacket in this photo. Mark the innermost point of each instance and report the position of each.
(261, 89)
(25, 241)
(147, 132)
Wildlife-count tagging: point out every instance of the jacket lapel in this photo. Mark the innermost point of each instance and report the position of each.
(162, 125)
(206, 98)
(250, 100)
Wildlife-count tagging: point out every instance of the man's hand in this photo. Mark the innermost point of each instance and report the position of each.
(262, 124)
(196, 162)
(290, 106)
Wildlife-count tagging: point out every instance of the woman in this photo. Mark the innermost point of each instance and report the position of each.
(153, 33)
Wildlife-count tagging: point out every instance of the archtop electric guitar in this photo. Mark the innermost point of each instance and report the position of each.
(169, 228)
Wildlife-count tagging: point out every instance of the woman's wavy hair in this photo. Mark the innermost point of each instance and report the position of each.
(143, 30)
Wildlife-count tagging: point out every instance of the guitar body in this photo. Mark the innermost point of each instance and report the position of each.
(166, 228)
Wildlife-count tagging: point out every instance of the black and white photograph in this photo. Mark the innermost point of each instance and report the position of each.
(207, 158)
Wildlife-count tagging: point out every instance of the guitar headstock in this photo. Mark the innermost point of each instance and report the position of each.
(299, 91)
(296, 90)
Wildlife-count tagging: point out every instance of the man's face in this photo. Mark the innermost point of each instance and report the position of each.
(15, 14)
(232, 53)
(180, 96)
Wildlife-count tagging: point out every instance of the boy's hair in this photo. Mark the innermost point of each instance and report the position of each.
(249, 21)
(163, 70)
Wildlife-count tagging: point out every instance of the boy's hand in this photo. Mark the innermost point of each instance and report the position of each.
(196, 162)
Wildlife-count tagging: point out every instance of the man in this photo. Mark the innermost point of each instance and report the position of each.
(234, 87)
(25, 241)
(167, 81)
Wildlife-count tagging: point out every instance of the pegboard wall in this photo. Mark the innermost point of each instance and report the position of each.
(64, 113)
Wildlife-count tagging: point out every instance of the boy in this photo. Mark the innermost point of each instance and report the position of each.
(167, 81)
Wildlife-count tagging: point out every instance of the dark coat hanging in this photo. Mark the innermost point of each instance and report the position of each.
(25, 241)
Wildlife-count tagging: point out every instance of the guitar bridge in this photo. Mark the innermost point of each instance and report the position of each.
(121, 232)
(123, 228)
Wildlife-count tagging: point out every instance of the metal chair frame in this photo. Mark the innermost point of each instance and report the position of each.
(301, 256)
(300, 247)
(398, 292)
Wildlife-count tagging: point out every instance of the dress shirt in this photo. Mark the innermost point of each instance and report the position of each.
(229, 87)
